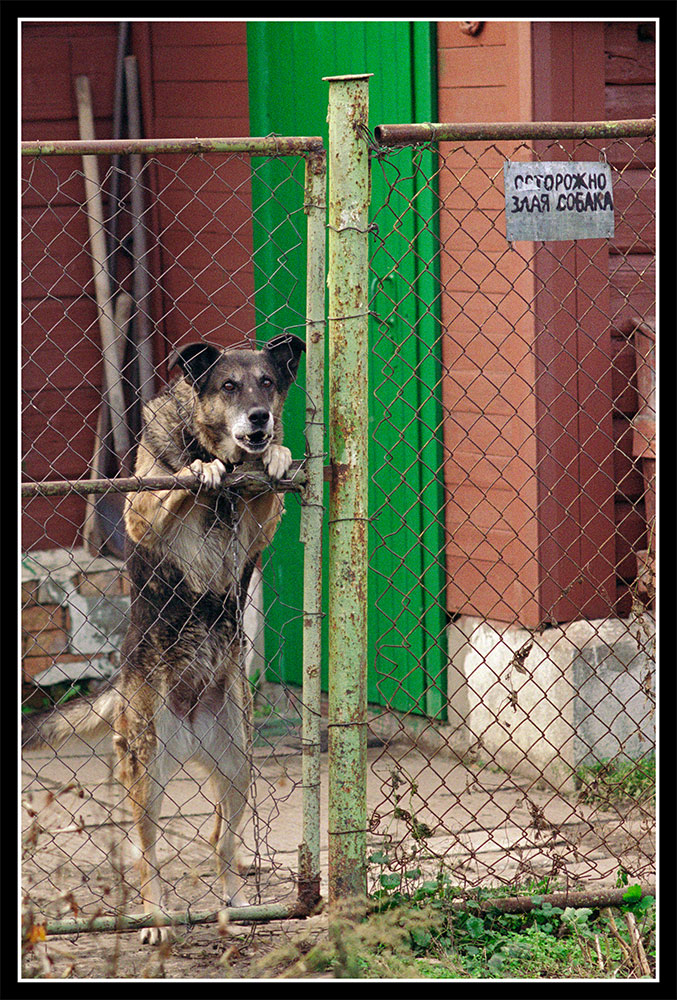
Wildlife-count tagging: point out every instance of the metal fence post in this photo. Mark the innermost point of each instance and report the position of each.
(348, 440)
(311, 528)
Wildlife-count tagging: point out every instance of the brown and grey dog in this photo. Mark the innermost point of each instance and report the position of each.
(181, 693)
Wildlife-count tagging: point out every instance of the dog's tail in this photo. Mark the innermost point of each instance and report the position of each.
(90, 717)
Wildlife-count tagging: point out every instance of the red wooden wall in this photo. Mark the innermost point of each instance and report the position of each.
(194, 83)
(61, 370)
(630, 72)
(490, 513)
(544, 507)
(573, 347)
(193, 78)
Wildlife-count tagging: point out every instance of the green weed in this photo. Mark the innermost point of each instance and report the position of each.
(425, 934)
(618, 781)
(56, 694)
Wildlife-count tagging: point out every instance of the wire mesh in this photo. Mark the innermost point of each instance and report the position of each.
(513, 527)
(512, 511)
(222, 260)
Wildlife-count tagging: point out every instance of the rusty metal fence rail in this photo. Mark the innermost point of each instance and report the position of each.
(513, 516)
(128, 249)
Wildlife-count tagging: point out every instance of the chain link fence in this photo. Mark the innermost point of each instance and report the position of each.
(125, 258)
(511, 663)
(513, 512)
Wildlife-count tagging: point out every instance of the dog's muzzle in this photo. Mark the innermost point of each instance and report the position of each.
(259, 431)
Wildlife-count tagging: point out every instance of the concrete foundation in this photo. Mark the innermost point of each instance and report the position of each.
(75, 613)
(75, 610)
(544, 703)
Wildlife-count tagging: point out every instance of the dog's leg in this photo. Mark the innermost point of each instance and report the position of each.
(147, 816)
(242, 867)
(215, 835)
(231, 795)
(141, 772)
(225, 753)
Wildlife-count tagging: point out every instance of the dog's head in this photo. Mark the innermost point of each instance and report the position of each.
(238, 394)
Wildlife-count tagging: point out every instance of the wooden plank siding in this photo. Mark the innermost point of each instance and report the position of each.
(61, 370)
(489, 407)
(576, 516)
(193, 79)
(543, 512)
(629, 91)
(539, 472)
(196, 75)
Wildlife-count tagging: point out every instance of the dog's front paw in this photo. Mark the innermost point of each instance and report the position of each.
(209, 473)
(276, 461)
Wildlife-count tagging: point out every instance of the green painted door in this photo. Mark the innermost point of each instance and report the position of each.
(287, 96)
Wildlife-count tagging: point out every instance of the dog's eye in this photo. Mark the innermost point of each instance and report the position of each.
(228, 386)
(266, 382)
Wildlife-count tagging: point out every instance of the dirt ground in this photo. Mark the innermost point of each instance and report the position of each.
(426, 811)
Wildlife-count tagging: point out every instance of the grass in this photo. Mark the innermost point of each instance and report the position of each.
(422, 935)
(545, 942)
(618, 781)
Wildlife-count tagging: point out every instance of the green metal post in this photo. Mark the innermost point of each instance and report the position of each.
(311, 528)
(348, 506)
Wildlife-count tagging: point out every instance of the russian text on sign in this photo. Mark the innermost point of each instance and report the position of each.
(558, 201)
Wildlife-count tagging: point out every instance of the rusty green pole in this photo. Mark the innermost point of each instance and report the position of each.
(312, 513)
(348, 509)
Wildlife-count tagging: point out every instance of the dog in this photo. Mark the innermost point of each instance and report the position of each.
(181, 693)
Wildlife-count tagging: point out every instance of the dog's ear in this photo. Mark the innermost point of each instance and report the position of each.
(285, 352)
(196, 361)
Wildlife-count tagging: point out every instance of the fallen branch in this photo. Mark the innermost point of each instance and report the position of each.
(596, 898)
(598, 952)
(614, 930)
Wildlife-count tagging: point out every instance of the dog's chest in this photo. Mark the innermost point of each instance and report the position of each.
(211, 544)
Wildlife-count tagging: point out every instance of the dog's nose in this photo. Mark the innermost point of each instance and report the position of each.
(258, 417)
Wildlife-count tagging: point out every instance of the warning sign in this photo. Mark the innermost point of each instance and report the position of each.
(558, 201)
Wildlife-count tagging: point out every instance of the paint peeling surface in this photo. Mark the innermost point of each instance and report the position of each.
(348, 443)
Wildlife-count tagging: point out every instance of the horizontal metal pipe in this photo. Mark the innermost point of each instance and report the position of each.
(405, 135)
(122, 922)
(269, 145)
(245, 477)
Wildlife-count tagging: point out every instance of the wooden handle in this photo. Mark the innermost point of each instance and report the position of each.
(111, 341)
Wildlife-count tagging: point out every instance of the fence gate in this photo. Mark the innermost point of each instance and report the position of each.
(529, 756)
(188, 240)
